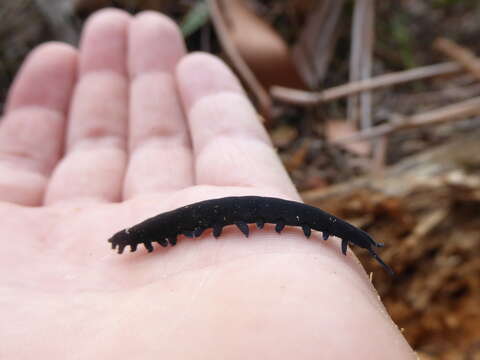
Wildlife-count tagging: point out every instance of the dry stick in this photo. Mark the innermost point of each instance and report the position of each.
(326, 42)
(458, 111)
(310, 98)
(462, 55)
(377, 164)
(263, 97)
(356, 46)
(359, 107)
(366, 70)
(313, 50)
(58, 14)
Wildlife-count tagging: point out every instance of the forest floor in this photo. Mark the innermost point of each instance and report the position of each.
(415, 186)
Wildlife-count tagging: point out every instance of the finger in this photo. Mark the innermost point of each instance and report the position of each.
(160, 151)
(231, 146)
(94, 164)
(32, 131)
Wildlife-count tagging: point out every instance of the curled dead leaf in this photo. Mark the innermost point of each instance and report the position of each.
(260, 46)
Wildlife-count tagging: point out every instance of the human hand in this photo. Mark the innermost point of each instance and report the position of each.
(100, 138)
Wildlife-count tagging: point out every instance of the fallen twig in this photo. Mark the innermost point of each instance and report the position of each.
(452, 112)
(311, 98)
(60, 18)
(462, 55)
(316, 43)
(360, 107)
(262, 96)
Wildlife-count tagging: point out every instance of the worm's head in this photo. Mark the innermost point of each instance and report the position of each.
(370, 240)
(359, 237)
(372, 252)
(120, 240)
(364, 240)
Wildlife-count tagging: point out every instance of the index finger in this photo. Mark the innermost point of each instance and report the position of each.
(231, 146)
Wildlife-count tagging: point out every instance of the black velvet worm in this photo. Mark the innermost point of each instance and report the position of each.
(192, 220)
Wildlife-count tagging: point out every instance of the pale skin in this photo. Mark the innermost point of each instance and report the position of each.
(127, 126)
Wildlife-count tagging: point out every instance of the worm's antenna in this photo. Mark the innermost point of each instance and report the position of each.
(381, 262)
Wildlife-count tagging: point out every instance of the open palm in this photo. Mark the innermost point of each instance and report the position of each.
(97, 139)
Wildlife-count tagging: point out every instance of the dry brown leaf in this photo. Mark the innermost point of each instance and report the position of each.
(338, 129)
(298, 157)
(283, 135)
(315, 182)
(424, 356)
(260, 46)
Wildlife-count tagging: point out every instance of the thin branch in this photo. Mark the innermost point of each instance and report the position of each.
(379, 155)
(314, 48)
(366, 70)
(462, 55)
(262, 96)
(359, 107)
(59, 16)
(355, 58)
(457, 111)
(310, 98)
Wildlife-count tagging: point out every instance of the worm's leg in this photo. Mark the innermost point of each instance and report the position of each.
(217, 230)
(243, 227)
(344, 246)
(306, 230)
(280, 225)
(260, 223)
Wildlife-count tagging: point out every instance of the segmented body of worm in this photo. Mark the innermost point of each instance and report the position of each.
(192, 220)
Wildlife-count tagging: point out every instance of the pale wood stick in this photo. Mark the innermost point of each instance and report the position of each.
(262, 96)
(366, 69)
(457, 111)
(356, 51)
(359, 107)
(58, 14)
(311, 98)
(379, 156)
(462, 55)
(314, 48)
